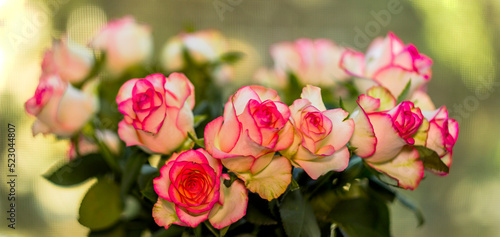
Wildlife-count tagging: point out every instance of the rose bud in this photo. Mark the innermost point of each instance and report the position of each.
(60, 108)
(125, 43)
(73, 62)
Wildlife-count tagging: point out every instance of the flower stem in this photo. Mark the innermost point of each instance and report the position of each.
(211, 228)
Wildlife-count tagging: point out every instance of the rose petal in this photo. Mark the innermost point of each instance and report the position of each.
(368, 103)
(387, 100)
(422, 100)
(313, 94)
(363, 137)
(353, 62)
(272, 181)
(317, 167)
(190, 220)
(389, 143)
(162, 183)
(342, 129)
(75, 108)
(125, 91)
(164, 214)
(234, 207)
(405, 168)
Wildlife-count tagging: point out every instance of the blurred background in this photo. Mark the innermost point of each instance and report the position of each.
(460, 36)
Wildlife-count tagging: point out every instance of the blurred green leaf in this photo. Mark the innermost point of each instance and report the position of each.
(132, 169)
(102, 206)
(198, 119)
(404, 93)
(431, 159)
(410, 205)
(78, 170)
(297, 216)
(231, 57)
(172, 231)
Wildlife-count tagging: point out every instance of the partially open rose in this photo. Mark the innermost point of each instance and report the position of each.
(125, 42)
(60, 108)
(254, 126)
(388, 63)
(321, 135)
(72, 62)
(157, 112)
(191, 190)
(384, 136)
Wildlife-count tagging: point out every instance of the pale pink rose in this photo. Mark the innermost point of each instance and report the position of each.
(191, 190)
(72, 62)
(321, 135)
(60, 108)
(388, 63)
(157, 112)
(442, 134)
(314, 62)
(125, 43)
(87, 146)
(203, 46)
(254, 126)
(384, 138)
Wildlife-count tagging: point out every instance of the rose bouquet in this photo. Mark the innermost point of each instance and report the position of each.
(317, 146)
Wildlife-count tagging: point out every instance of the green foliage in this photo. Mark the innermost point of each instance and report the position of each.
(431, 160)
(78, 170)
(297, 216)
(102, 205)
(404, 93)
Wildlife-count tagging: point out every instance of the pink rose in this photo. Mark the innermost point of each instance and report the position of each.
(321, 135)
(388, 63)
(72, 62)
(254, 126)
(125, 42)
(191, 190)
(442, 134)
(314, 62)
(60, 108)
(157, 112)
(203, 46)
(384, 138)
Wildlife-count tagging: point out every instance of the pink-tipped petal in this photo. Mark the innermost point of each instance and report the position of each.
(313, 94)
(363, 137)
(164, 214)
(353, 62)
(317, 167)
(342, 129)
(405, 168)
(128, 134)
(162, 182)
(387, 100)
(422, 100)
(125, 91)
(234, 205)
(190, 220)
(271, 182)
(389, 143)
(239, 163)
(368, 103)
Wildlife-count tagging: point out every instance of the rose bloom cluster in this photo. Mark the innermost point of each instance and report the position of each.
(258, 138)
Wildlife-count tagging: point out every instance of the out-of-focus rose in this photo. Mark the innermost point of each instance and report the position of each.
(442, 134)
(191, 190)
(321, 135)
(255, 125)
(384, 135)
(314, 62)
(202, 46)
(60, 108)
(157, 112)
(125, 42)
(87, 146)
(388, 63)
(72, 62)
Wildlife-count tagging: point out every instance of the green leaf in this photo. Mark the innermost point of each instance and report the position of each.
(258, 212)
(198, 119)
(147, 187)
(78, 170)
(410, 205)
(404, 93)
(172, 231)
(297, 216)
(231, 57)
(431, 160)
(102, 206)
(132, 169)
(199, 142)
(341, 104)
(362, 217)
